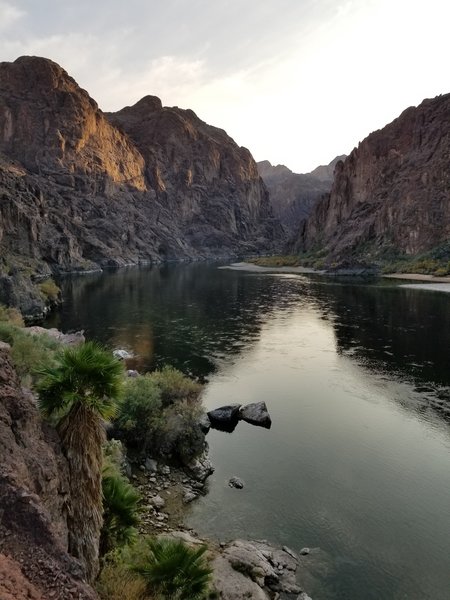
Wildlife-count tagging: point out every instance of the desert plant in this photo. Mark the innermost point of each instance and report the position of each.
(11, 315)
(49, 290)
(139, 411)
(120, 510)
(175, 570)
(80, 391)
(174, 385)
(117, 582)
(28, 352)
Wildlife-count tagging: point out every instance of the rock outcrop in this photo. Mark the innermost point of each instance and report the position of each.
(392, 194)
(293, 195)
(80, 190)
(34, 562)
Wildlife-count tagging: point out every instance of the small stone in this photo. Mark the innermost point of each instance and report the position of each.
(237, 483)
(132, 373)
(151, 465)
(305, 551)
(157, 502)
(189, 496)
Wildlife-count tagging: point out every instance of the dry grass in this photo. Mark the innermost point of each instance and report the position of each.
(116, 582)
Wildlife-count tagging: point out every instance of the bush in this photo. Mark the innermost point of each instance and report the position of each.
(49, 290)
(179, 435)
(174, 570)
(139, 411)
(117, 582)
(175, 386)
(169, 428)
(28, 352)
(11, 315)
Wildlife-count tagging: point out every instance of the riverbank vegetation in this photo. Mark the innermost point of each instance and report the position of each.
(435, 262)
(79, 388)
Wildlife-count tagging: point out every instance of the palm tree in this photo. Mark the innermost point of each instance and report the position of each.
(175, 570)
(120, 510)
(79, 392)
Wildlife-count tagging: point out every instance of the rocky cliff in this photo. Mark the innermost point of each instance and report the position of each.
(34, 563)
(392, 194)
(293, 195)
(80, 189)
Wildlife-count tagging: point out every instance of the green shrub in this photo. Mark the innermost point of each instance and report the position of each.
(175, 386)
(170, 427)
(139, 411)
(49, 290)
(11, 315)
(28, 352)
(179, 435)
(174, 570)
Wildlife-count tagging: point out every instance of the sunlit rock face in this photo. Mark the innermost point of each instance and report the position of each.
(80, 189)
(392, 192)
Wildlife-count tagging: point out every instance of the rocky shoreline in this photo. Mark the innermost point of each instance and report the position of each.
(242, 569)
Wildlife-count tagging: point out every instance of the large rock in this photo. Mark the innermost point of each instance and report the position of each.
(272, 569)
(82, 189)
(233, 585)
(225, 417)
(200, 468)
(256, 414)
(391, 194)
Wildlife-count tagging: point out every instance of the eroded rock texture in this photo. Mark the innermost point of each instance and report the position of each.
(33, 492)
(294, 195)
(80, 189)
(392, 192)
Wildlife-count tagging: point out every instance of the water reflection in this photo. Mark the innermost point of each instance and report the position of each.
(356, 463)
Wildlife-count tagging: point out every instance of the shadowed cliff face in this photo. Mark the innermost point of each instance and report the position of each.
(294, 195)
(200, 174)
(79, 190)
(392, 192)
(33, 492)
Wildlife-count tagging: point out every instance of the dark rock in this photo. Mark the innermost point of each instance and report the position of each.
(225, 418)
(237, 483)
(256, 414)
(294, 195)
(390, 194)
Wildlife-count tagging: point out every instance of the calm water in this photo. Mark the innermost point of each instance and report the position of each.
(356, 377)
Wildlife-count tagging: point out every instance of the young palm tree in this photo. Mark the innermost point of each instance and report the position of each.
(120, 511)
(175, 570)
(79, 392)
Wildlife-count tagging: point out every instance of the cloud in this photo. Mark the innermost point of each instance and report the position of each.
(9, 14)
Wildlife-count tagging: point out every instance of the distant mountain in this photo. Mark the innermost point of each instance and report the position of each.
(294, 195)
(81, 189)
(392, 194)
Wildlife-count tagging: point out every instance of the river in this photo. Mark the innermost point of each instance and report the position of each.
(356, 377)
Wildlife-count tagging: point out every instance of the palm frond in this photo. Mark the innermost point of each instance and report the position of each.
(175, 570)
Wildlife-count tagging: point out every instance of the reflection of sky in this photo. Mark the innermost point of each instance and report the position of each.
(344, 467)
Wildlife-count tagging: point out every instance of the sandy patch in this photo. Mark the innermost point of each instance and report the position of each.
(418, 277)
(251, 268)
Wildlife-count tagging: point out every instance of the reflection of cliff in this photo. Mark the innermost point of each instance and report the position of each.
(187, 315)
(394, 330)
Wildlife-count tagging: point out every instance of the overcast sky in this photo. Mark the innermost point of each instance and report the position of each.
(295, 81)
